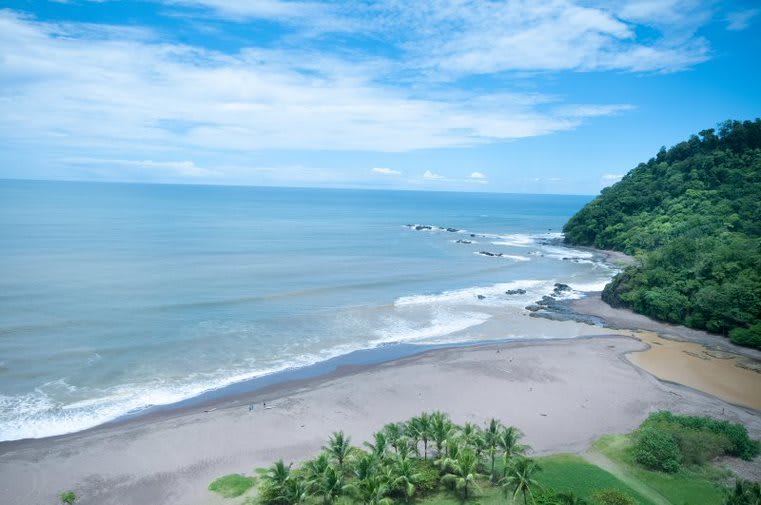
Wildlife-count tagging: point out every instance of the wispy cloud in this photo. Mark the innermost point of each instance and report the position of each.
(386, 171)
(608, 179)
(741, 20)
(477, 175)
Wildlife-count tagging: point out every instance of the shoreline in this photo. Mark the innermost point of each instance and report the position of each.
(171, 458)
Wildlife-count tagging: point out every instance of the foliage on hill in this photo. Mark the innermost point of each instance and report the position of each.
(693, 216)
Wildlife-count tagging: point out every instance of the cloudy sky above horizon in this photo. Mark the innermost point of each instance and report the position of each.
(554, 96)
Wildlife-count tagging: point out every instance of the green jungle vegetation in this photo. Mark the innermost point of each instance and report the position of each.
(692, 215)
(429, 460)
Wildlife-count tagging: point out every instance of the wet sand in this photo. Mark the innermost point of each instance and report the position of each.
(714, 372)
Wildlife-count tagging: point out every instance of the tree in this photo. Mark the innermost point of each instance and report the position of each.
(330, 485)
(379, 447)
(462, 472)
(394, 433)
(612, 497)
(745, 492)
(420, 426)
(339, 447)
(405, 477)
(520, 479)
(491, 441)
(508, 442)
(371, 490)
(441, 429)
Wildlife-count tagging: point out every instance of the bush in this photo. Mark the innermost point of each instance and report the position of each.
(740, 443)
(657, 449)
(749, 337)
(429, 478)
(68, 498)
(232, 485)
(612, 497)
(700, 447)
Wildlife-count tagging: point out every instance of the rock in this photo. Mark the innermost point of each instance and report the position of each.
(452, 230)
(473, 235)
(461, 241)
(515, 292)
(420, 227)
(480, 297)
(533, 307)
(560, 287)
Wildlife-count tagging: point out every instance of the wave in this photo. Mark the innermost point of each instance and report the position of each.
(471, 295)
(444, 323)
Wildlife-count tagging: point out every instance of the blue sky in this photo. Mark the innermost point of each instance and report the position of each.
(555, 96)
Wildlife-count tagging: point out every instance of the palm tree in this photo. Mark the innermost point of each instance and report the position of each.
(294, 491)
(441, 429)
(379, 447)
(423, 429)
(278, 473)
(491, 441)
(339, 447)
(508, 443)
(394, 432)
(366, 466)
(463, 472)
(314, 470)
(403, 448)
(330, 485)
(405, 477)
(520, 479)
(371, 491)
(745, 492)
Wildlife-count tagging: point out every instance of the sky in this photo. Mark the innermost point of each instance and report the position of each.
(558, 96)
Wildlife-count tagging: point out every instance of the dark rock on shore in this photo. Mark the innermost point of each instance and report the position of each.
(518, 291)
(491, 254)
(480, 297)
(461, 241)
(452, 230)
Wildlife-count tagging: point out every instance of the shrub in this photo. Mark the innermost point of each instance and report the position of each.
(68, 498)
(612, 497)
(657, 450)
(700, 447)
(749, 337)
(428, 481)
(742, 445)
(232, 485)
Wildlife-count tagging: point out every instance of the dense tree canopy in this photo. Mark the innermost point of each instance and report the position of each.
(693, 216)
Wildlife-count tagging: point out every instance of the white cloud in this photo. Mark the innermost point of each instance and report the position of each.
(181, 168)
(477, 175)
(386, 171)
(432, 176)
(611, 178)
(741, 20)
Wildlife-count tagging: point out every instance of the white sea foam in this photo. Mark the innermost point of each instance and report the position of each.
(470, 295)
(444, 323)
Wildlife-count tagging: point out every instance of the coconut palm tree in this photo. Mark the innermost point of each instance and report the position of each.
(423, 429)
(379, 447)
(314, 469)
(294, 491)
(441, 429)
(278, 473)
(404, 449)
(394, 432)
(508, 442)
(520, 479)
(366, 466)
(370, 491)
(491, 441)
(330, 485)
(405, 477)
(463, 472)
(339, 448)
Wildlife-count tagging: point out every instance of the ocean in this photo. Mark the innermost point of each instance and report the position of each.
(117, 297)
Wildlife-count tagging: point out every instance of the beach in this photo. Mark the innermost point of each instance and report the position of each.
(170, 458)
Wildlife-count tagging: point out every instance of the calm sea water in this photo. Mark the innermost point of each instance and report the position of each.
(114, 297)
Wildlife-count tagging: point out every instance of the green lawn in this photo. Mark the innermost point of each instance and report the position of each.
(232, 485)
(688, 486)
(568, 472)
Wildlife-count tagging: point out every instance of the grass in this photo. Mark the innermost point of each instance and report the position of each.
(568, 472)
(233, 485)
(693, 486)
(563, 472)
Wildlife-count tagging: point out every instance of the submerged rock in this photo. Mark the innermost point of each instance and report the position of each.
(461, 241)
(518, 291)
(452, 230)
(480, 297)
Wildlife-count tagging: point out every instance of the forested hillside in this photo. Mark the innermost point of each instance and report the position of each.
(693, 216)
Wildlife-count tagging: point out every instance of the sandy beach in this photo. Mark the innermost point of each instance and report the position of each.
(537, 386)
